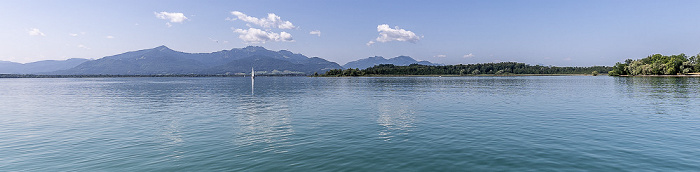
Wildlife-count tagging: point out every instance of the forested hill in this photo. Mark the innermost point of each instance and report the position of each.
(502, 68)
(377, 60)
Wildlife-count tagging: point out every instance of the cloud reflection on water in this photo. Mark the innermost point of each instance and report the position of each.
(264, 124)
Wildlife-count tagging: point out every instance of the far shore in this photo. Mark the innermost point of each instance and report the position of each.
(671, 76)
(200, 75)
(128, 76)
(469, 75)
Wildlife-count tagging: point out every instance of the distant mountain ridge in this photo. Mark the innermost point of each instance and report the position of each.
(163, 60)
(39, 66)
(377, 60)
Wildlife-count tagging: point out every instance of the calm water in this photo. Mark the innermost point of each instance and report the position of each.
(350, 124)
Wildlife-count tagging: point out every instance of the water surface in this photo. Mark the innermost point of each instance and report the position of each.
(350, 124)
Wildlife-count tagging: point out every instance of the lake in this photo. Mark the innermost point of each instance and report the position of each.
(523, 123)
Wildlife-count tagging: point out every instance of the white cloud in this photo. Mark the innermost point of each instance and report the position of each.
(440, 55)
(217, 41)
(315, 32)
(35, 32)
(470, 55)
(173, 17)
(272, 20)
(109, 37)
(83, 46)
(253, 35)
(370, 43)
(76, 34)
(387, 34)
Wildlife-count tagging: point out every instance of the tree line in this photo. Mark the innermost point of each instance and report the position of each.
(502, 68)
(658, 64)
(128, 76)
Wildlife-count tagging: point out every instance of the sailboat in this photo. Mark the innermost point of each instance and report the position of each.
(252, 81)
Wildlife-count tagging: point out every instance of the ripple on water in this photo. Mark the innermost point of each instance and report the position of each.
(562, 123)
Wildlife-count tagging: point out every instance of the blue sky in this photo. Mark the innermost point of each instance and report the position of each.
(556, 32)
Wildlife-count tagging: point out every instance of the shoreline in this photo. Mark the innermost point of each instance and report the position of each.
(288, 75)
(126, 76)
(661, 76)
(481, 75)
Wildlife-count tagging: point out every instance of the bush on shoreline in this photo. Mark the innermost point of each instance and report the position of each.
(658, 64)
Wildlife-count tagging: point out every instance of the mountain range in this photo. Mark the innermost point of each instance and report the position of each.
(39, 66)
(163, 60)
(377, 60)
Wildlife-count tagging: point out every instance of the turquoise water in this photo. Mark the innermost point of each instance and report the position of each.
(540, 123)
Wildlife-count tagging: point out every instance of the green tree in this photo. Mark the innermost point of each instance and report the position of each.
(475, 72)
(500, 72)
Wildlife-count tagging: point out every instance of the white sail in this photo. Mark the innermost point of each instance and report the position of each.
(252, 73)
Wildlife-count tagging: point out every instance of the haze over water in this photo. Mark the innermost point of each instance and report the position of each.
(350, 124)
